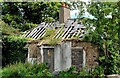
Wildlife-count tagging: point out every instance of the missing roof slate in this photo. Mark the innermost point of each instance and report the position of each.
(71, 28)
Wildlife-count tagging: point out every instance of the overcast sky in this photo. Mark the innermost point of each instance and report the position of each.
(74, 13)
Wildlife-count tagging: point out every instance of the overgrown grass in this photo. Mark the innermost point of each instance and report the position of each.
(41, 70)
(22, 70)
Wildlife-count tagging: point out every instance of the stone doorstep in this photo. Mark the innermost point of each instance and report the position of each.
(113, 76)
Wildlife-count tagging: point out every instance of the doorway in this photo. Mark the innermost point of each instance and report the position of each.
(48, 58)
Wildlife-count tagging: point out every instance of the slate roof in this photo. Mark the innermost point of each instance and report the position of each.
(70, 29)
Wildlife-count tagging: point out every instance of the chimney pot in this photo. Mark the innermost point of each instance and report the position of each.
(63, 5)
(66, 5)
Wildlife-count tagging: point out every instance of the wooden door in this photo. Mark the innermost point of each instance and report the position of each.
(48, 57)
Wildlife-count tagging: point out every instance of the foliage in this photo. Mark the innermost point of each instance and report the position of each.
(99, 71)
(21, 70)
(69, 72)
(105, 34)
(26, 15)
(80, 5)
(50, 32)
(85, 72)
(13, 49)
(8, 30)
(48, 19)
(52, 41)
(48, 38)
(26, 26)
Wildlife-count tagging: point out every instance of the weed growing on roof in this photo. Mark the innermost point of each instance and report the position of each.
(53, 41)
(50, 33)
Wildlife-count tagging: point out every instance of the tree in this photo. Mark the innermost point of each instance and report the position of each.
(19, 14)
(106, 31)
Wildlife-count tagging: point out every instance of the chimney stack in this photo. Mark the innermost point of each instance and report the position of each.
(64, 13)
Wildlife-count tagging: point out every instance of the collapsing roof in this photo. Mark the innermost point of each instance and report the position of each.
(65, 27)
(70, 29)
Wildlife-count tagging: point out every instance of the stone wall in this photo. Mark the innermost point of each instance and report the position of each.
(91, 52)
(34, 51)
(64, 54)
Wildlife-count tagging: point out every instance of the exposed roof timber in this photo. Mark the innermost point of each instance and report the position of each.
(58, 32)
(67, 29)
(67, 32)
(37, 32)
(70, 29)
(41, 32)
(78, 33)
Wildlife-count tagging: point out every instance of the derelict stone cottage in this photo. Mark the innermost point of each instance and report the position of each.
(69, 51)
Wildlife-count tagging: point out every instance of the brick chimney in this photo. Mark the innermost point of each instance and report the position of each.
(64, 13)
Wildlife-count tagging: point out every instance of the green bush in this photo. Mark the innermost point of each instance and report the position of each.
(69, 72)
(22, 70)
(26, 26)
(48, 19)
(13, 49)
(85, 72)
(8, 29)
(99, 71)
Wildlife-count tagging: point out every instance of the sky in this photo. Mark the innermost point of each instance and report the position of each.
(74, 13)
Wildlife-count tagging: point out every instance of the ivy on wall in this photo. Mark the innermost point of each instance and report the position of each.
(13, 49)
(106, 33)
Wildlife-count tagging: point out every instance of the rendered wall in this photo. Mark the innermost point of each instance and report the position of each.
(57, 58)
(65, 55)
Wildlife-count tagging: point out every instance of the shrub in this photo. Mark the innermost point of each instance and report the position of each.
(8, 29)
(69, 72)
(13, 49)
(22, 70)
(85, 72)
(48, 19)
(99, 71)
(26, 26)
